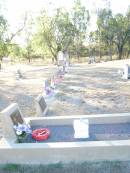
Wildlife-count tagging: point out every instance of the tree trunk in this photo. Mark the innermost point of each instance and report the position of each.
(77, 55)
(128, 53)
(120, 51)
(29, 59)
(0, 62)
(53, 60)
(100, 54)
(110, 52)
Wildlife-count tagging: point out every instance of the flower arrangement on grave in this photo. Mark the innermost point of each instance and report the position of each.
(49, 87)
(22, 130)
(48, 90)
(58, 77)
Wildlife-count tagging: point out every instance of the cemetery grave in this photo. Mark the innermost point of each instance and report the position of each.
(107, 134)
(65, 87)
(97, 132)
(104, 91)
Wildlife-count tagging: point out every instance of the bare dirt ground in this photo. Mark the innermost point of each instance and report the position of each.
(85, 89)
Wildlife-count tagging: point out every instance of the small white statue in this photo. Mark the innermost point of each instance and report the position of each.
(126, 72)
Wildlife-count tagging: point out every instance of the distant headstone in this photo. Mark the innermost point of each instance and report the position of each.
(91, 60)
(53, 84)
(19, 73)
(60, 58)
(41, 106)
(47, 87)
(126, 72)
(66, 61)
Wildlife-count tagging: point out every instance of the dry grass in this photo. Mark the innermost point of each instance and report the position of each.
(86, 167)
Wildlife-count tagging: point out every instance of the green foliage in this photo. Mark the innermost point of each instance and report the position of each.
(10, 167)
(64, 30)
(67, 30)
(3, 29)
(113, 32)
(80, 18)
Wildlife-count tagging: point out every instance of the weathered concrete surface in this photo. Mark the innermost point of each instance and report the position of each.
(64, 152)
(28, 153)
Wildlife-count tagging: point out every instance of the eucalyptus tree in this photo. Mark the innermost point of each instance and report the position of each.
(80, 17)
(105, 28)
(55, 32)
(64, 30)
(114, 30)
(121, 27)
(3, 30)
(128, 41)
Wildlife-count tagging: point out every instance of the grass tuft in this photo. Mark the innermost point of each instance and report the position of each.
(86, 167)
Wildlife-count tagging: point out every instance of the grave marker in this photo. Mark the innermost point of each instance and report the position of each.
(91, 60)
(9, 117)
(126, 72)
(41, 106)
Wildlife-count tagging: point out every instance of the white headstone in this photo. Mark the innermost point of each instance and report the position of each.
(91, 60)
(126, 72)
(60, 58)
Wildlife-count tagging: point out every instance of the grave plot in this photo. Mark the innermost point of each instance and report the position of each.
(62, 146)
(97, 132)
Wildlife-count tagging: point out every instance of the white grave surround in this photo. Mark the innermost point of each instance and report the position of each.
(41, 106)
(65, 152)
(81, 128)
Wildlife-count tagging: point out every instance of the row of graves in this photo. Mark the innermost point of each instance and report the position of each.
(76, 138)
(49, 92)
